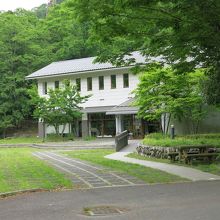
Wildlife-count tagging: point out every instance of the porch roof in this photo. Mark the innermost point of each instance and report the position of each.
(124, 108)
(97, 109)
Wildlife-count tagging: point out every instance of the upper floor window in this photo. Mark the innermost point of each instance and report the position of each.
(126, 80)
(113, 81)
(45, 88)
(57, 84)
(101, 82)
(89, 83)
(78, 84)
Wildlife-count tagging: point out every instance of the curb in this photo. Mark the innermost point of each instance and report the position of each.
(14, 145)
(13, 193)
(78, 147)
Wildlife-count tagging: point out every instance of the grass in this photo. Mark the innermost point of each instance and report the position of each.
(166, 141)
(32, 140)
(213, 168)
(149, 175)
(19, 170)
(21, 140)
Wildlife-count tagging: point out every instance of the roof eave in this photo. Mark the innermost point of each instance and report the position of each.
(78, 72)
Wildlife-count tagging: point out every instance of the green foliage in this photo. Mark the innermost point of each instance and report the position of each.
(41, 11)
(89, 138)
(57, 138)
(62, 106)
(185, 32)
(161, 91)
(67, 38)
(194, 140)
(29, 40)
(18, 51)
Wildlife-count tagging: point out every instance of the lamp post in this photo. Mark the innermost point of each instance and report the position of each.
(172, 132)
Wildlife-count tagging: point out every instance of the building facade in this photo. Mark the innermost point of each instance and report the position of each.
(109, 110)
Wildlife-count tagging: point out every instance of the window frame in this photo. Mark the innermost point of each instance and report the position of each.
(57, 84)
(45, 89)
(115, 84)
(89, 84)
(101, 82)
(78, 84)
(125, 80)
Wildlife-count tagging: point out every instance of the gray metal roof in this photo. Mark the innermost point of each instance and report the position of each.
(78, 65)
(124, 108)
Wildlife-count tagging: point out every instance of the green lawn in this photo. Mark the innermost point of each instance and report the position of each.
(21, 140)
(211, 168)
(149, 175)
(166, 141)
(19, 170)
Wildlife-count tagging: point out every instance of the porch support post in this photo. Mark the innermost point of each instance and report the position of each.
(85, 125)
(118, 122)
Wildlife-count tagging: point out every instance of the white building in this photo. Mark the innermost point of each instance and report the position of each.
(108, 111)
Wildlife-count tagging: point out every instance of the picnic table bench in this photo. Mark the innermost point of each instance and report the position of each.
(209, 156)
(188, 153)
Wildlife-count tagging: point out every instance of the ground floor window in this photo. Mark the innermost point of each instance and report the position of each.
(102, 124)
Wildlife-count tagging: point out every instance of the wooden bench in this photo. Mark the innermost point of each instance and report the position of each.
(209, 156)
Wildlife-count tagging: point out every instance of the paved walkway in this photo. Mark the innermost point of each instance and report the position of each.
(185, 172)
(78, 144)
(86, 175)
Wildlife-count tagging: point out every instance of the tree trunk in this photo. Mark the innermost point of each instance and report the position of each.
(167, 123)
(4, 133)
(64, 126)
(57, 129)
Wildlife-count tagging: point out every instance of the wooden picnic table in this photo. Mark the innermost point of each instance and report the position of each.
(200, 152)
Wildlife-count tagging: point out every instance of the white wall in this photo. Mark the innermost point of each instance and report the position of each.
(106, 97)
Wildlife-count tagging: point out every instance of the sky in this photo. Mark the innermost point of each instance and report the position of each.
(13, 4)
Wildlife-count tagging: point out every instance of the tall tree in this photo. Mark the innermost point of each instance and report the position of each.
(20, 54)
(163, 94)
(68, 38)
(62, 106)
(185, 32)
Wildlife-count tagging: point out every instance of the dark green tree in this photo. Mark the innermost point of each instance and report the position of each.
(186, 33)
(61, 107)
(163, 94)
(20, 54)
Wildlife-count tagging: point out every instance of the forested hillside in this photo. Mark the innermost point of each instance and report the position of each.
(29, 40)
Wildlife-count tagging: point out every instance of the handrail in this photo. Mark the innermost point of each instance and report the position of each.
(121, 140)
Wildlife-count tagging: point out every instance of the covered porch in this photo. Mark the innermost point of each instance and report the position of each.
(110, 121)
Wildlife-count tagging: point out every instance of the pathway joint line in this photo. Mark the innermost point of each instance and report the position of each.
(76, 167)
(68, 171)
(122, 178)
(70, 159)
(125, 180)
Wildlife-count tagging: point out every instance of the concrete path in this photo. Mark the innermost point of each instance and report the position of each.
(86, 175)
(78, 144)
(185, 172)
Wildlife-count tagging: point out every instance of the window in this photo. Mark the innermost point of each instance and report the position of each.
(57, 84)
(89, 83)
(101, 82)
(78, 84)
(126, 80)
(113, 81)
(45, 88)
